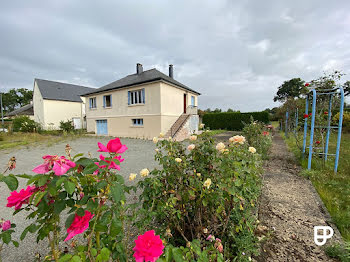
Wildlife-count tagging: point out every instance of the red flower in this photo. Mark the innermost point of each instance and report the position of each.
(265, 133)
(307, 84)
(113, 146)
(149, 247)
(17, 199)
(310, 114)
(6, 225)
(79, 225)
(60, 165)
(318, 142)
(111, 164)
(306, 116)
(326, 113)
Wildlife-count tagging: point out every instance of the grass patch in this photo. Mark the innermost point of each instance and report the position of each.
(23, 139)
(334, 189)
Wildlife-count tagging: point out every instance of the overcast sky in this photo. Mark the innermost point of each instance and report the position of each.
(236, 53)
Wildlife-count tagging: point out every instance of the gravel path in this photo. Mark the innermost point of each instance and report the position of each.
(139, 155)
(290, 208)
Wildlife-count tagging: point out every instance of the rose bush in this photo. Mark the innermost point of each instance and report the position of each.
(199, 206)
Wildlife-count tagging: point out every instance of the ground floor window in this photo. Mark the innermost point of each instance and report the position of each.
(137, 122)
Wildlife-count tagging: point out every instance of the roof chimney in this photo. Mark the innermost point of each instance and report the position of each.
(139, 68)
(171, 71)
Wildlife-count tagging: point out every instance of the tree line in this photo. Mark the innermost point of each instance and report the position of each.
(16, 98)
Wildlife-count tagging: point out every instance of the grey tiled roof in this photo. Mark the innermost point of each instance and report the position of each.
(24, 110)
(61, 91)
(134, 79)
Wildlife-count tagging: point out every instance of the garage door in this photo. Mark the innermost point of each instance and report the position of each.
(101, 126)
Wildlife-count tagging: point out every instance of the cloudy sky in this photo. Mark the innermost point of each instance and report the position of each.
(236, 53)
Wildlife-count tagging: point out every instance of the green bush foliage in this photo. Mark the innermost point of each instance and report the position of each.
(67, 126)
(25, 124)
(233, 121)
(209, 190)
(346, 121)
(258, 136)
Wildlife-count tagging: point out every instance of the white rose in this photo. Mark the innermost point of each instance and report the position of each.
(207, 183)
(155, 140)
(144, 172)
(201, 126)
(252, 149)
(179, 160)
(193, 138)
(191, 147)
(220, 146)
(132, 176)
(157, 149)
(161, 135)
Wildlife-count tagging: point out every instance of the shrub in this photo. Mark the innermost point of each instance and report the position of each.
(233, 121)
(258, 136)
(67, 125)
(25, 124)
(346, 121)
(202, 193)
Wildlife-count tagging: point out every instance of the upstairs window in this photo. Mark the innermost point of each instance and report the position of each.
(137, 122)
(107, 101)
(192, 101)
(92, 102)
(136, 97)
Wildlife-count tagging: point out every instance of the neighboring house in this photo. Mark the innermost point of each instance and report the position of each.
(143, 105)
(55, 102)
(26, 110)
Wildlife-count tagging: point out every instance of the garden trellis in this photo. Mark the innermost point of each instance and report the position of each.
(311, 98)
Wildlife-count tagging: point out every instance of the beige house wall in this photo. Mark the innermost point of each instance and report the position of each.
(56, 111)
(38, 106)
(172, 104)
(164, 103)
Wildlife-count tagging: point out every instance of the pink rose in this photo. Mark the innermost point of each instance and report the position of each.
(113, 146)
(79, 225)
(111, 164)
(17, 199)
(6, 225)
(148, 247)
(60, 165)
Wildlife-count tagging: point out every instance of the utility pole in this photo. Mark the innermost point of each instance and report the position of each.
(2, 113)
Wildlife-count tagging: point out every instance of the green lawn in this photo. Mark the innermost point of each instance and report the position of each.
(334, 189)
(22, 139)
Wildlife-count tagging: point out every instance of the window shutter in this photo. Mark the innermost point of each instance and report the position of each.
(104, 101)
(128, 97)
(90, 102)
(143, 96)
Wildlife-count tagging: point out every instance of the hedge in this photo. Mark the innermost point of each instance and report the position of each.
(233, 121)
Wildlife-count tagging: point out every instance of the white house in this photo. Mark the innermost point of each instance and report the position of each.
(54, 102)
(143, 105)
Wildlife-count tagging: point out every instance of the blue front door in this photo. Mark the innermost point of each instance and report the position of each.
(101, 126)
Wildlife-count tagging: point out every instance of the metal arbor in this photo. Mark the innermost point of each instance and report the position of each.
(313, 94)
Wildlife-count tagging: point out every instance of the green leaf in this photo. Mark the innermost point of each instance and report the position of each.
(168, 254)
(93, 252)
(117, 192)
(42, 181)
(105, 253)
(69, 220)
(80, 212)
(65, 258)
(38, 197)
(11, 182)
(34, 178)
(6, 237)
(78, 155)
(116, 227)
(91, 168)
(69, 186)
(177, 254)
(60, 181)
(24, 176)
(92, 205)
(15, 243)
(31, 228)
(84, 161)
(101, 184)
(59, 206)
(76, 259)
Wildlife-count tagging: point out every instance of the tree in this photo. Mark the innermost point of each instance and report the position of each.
(229, 110)
(15, 98)
(293, 88)
(346, 87)
(216, 110)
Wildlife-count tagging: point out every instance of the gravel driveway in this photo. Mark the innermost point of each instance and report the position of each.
(139, 155)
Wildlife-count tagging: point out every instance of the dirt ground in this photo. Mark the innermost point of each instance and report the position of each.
(290, 208)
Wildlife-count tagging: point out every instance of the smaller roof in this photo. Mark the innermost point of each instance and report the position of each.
(24, 110)
(53, 90)
(136, 79)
